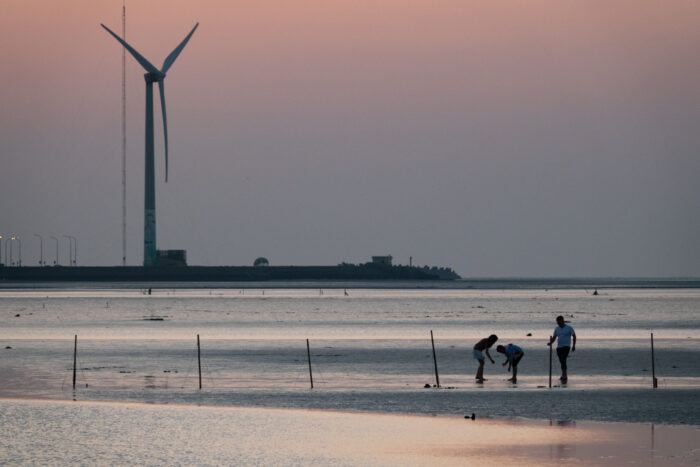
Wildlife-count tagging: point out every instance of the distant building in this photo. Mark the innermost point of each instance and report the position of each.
(170, 258)
(382, 260)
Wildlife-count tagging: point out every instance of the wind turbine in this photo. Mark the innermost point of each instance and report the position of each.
(153, 75)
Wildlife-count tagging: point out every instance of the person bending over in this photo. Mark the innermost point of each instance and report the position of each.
(483, 346)
(513, 355)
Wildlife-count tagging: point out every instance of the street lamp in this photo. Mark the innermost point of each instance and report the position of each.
(75, 250)
(1, 250)
(20, 251)
(70, 249)
(55, 263)
(41, 249)
(11, 255)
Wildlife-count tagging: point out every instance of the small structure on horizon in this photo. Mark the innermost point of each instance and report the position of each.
(382, 260)
(170, 258)
(262, 261)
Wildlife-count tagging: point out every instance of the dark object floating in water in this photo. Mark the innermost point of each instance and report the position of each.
(595, 292)
(426, 386)
(154, 318)
(473, 417)
(529, 334)
(17, 315)
(10, 348)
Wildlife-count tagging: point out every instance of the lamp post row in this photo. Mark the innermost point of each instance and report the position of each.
(9, 244)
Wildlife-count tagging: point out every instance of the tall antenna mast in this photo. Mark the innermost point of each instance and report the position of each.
(124, 136)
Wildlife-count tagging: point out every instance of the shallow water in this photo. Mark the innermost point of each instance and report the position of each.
(62, 433)
(370, 349)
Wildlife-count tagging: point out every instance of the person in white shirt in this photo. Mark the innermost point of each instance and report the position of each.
(563, 333)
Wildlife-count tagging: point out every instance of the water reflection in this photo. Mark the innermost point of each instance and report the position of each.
(104, 433)
(562, 451)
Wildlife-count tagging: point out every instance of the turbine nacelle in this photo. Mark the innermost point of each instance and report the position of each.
(151, 77)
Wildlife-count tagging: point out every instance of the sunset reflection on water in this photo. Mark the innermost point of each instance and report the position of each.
(102, 433)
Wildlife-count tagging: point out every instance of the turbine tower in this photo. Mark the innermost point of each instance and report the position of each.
(153, 75)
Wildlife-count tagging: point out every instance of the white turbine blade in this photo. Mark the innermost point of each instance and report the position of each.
(161, 87)
(173, 55)
(139, 58)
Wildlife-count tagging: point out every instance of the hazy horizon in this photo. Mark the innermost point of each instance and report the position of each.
(501, 139)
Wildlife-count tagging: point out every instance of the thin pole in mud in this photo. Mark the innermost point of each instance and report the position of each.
(199, 363)
(308, 355)
(654, 381)
(432, 341)
(75, 358)
(550, 362)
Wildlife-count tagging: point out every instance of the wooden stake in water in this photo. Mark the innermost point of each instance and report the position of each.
(199, 363)
(75, 358)
(550, 362)
(308, 355)
(437, 377)
(654, 381)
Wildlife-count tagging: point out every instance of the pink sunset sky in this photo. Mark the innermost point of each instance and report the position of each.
(500, 138)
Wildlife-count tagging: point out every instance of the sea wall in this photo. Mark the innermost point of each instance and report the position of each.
(214, 273)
